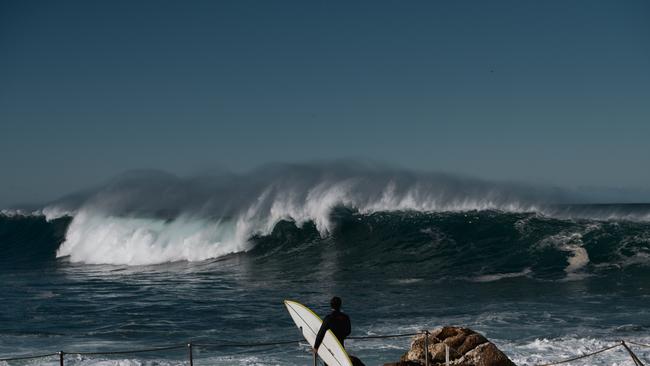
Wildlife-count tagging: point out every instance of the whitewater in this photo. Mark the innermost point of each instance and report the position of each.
(151, 258)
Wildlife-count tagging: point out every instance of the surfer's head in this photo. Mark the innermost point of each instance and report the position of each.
(335, 303)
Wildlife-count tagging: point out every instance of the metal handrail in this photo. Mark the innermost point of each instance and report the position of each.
(227, 344)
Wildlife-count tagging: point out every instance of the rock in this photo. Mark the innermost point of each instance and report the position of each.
(486, 354)
(471, 342)
(466, 348)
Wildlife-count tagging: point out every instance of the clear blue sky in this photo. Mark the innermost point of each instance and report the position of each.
(551, 91)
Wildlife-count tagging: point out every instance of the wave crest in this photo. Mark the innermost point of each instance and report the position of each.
(152, 217)
(99, 239)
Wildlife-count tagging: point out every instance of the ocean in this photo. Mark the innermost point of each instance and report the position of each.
(136, 264)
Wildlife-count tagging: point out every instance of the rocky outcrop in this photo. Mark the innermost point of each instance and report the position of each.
(466, 348)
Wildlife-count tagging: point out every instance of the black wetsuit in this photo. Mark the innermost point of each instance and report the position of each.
(339, 323)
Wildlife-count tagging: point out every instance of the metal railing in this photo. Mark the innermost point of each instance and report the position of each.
(190, 346)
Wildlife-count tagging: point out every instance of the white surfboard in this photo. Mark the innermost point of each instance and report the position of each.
(331, 351)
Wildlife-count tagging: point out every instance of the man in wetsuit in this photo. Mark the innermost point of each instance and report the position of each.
(337, 321)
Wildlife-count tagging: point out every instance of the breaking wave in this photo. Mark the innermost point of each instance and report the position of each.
(150, 217)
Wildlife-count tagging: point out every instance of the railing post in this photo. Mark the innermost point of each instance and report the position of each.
(636, 360)
(60, 358)
(189, 353)
(426, 348)
(446, 355)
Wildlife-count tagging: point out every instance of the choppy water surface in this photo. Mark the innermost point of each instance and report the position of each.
(541, 288)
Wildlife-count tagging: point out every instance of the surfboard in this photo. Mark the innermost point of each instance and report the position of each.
(331, 351)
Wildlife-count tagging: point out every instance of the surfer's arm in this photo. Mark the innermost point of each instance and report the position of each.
(321, 333)
(348, 326)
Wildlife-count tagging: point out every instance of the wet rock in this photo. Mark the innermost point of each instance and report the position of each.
(466, 348)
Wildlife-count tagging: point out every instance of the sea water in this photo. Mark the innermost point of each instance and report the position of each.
(543, 282)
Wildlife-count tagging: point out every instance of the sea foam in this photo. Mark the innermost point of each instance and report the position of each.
(154, 217)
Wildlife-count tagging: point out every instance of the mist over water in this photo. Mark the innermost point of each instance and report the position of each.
(150, 258)
(148, 217)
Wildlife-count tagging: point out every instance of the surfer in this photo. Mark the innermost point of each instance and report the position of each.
(337, 321)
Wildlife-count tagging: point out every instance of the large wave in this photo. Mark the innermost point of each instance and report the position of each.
(148, 217)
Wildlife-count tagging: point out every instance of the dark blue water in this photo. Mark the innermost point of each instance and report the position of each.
(542, 288)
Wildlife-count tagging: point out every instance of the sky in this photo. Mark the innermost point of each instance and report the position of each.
(554, 92)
